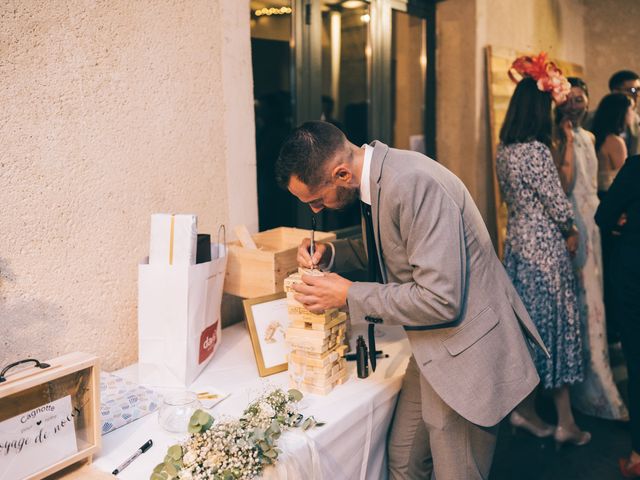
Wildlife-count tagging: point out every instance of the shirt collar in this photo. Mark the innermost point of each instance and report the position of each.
(365, 178)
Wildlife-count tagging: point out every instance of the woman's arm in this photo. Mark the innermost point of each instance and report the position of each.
(563, 157)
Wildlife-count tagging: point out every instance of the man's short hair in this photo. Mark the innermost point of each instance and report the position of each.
(306, 151)
(618, 78)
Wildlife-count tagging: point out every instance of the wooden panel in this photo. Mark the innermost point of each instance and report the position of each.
(500, 88)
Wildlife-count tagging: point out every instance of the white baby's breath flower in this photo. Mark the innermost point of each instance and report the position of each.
(185, 475)
(189, 457)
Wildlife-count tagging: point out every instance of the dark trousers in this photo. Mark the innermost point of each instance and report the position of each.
(625, 286)
(608, 279)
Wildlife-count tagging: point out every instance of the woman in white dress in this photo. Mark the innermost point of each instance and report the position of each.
(578, 167)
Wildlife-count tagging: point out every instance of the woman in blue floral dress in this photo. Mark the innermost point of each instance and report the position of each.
(540, 236)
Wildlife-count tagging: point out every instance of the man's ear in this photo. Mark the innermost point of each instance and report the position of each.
(341, 174)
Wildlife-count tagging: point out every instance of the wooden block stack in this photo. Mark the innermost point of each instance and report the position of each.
(316, 341)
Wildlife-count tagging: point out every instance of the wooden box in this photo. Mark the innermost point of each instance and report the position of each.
(255, 273)
(31, 391)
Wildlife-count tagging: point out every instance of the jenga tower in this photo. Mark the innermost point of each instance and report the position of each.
(316, 341)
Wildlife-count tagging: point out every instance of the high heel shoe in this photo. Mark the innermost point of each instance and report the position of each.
(578, 438)
(629, 471)
(518, 421)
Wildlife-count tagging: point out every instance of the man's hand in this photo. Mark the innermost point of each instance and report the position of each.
(322, 254)
(320, 293)
(566, 127)
(572, 242)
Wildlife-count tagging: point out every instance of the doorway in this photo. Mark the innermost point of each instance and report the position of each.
(362, 65)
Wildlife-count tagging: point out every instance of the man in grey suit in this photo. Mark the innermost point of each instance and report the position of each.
(438, 277)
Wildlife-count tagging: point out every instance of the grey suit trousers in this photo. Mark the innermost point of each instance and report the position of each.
(430, 440)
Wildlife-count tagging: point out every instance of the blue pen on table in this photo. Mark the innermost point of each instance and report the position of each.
(147, 445)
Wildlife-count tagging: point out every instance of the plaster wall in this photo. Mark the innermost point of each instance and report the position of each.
(111, 111)
(611, 28)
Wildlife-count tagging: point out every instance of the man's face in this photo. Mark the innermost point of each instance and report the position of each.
(332, 194)
(632, 89)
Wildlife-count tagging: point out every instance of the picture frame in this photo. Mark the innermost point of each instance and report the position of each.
(267, 320)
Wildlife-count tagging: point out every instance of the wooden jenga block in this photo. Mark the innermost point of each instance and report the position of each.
(312, 389)
(341, 349)
(310, 271)
(314, 360)
(319, 377)
(340, 318)
(326, 370)
(319, 344)
(298, 312)
(316, 342)
(307, 334)
(297, 277)
(322, 384)
(337, 329)
(291, 280)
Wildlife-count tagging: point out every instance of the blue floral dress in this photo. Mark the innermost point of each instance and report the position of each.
(536, 257)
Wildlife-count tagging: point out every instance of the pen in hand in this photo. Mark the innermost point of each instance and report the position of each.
(312, 247)
(147, 445)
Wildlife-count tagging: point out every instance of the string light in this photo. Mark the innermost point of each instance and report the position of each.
(272, 11)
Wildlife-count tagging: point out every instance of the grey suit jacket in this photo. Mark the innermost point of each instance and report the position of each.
(440, 271)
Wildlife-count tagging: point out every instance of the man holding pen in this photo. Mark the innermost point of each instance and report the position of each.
(433, 270)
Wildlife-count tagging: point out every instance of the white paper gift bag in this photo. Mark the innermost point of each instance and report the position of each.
(179, 323)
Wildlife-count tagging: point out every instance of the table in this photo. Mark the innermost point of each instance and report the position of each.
(352, 444)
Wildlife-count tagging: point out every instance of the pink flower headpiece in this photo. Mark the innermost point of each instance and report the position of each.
(547, 75)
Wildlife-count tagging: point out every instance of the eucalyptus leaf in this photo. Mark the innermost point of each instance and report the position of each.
(171, 469)
(275, 426)
(175, 452)
(158, 468)
(159, 476)
(295, 395)
(271, 453)
(203, 417)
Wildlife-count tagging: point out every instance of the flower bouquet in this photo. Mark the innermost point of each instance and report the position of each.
(234, 448)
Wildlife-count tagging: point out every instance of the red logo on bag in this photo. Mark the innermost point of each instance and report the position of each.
(208, 341)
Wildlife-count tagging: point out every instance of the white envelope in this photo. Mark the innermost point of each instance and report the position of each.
(173, 239)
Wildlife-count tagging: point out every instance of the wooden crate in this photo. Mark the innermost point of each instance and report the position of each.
(76, 375)
(255, 273)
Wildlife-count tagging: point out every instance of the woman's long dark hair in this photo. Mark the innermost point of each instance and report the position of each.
(528, 116)
(610, 117)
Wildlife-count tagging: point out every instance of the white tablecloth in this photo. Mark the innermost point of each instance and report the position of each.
(350, 446)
